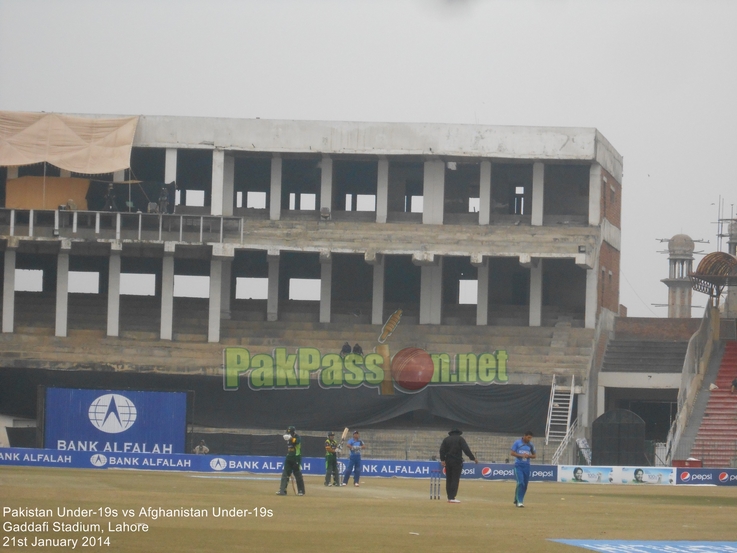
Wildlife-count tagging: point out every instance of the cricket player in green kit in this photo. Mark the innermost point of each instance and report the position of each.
(331, 460)
(291, 463)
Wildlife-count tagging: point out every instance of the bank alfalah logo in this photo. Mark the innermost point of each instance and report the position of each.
(218, 463)
(112, 413)
(98, 460)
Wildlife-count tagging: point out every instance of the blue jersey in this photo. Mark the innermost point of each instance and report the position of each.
(355, 447)
(521, 447)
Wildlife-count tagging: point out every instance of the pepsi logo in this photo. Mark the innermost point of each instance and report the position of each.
(486, 472)
(723, 477)
(685, 476)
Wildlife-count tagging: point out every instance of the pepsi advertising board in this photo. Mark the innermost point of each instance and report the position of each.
(538, 473)
(706, 477)
(115, 421)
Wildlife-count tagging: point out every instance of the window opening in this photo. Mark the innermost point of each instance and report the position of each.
(137, 284)
(304, 289)
(468, 292)
(29, 280)
(191, 286)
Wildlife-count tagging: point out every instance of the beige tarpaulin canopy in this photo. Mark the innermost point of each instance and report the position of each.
(32, 192)
(79, 144)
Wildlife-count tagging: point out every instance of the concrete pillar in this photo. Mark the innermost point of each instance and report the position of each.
(6, 421)
(538, 193)
(582, 410)
(9, 290)
(431, 293)
(377, 298)
(275, 193)
(170, 169)
(167, 292)
(730, 304)
(113, 290)
(226, 288)
(213, 325)
(62, 292)
(326, 183)
(382, 190)
(218, 182)
(228, 186)
(433, 193)
(326, 285)
(600, 401)
(272, 301)
(170, 165)
(595, 194)
(592, 296)
(679, 300)
(482, 295)
(536, 291)
(485, 193)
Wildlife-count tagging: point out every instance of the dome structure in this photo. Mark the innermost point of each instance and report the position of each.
(716, 270)
(681, 244)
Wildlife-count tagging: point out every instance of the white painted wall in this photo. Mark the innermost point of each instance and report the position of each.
(329, 137)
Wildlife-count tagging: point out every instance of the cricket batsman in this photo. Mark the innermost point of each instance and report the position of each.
(331, 459)
(292, 461)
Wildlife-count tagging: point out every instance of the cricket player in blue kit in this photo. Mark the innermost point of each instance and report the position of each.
(522, 451)
(355, 444)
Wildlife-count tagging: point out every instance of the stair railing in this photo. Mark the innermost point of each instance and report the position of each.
(550, 411)
(564, 444)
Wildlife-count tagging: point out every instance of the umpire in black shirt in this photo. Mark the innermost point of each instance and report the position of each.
(451, 457)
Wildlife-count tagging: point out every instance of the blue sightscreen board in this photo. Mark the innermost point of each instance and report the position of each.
(115, 420)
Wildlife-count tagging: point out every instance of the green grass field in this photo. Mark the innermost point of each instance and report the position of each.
(382, 515)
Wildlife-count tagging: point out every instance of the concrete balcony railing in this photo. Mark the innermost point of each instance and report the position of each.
(564, 242)
(104, 225)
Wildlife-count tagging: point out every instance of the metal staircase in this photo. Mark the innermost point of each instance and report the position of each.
(559, 411)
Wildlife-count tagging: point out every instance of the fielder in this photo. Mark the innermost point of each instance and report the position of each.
(522, 451)
(291, 463)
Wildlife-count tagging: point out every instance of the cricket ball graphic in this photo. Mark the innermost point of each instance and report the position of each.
(412, 369)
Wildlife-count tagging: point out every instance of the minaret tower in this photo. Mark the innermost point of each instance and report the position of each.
(680, 261)
(730, 305)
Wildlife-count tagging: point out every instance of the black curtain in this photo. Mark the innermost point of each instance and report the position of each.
(493, 408)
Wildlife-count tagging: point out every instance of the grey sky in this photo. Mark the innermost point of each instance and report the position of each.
(657, 78)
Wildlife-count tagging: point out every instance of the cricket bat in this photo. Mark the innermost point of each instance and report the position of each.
(342, 439)
(387, 385)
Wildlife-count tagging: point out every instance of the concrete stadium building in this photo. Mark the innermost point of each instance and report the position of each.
(307, 234)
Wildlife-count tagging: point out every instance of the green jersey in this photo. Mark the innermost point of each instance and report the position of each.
(294, 447)
(330, 446)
